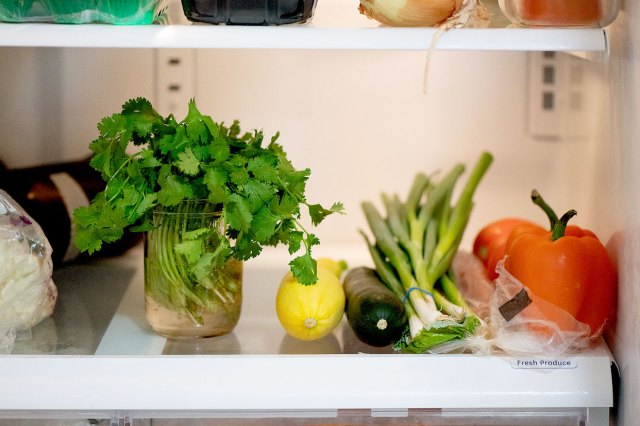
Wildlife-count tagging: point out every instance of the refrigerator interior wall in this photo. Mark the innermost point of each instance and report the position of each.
(625, 64)
(364, 122)
(52, 99)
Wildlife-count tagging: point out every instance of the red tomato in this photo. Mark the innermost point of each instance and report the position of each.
(489, 245)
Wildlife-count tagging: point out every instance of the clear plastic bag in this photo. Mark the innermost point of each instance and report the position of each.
(517, 322)
(27, 292)
(524, 324)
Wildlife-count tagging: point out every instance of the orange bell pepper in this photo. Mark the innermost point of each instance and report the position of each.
(567, 266)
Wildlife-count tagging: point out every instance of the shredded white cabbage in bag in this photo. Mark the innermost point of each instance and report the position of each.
(27, 292)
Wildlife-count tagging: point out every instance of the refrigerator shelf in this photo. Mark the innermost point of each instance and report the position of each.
(97, 354)
(300, 37)
(335, 25)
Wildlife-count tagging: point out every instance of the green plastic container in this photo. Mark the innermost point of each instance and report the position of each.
(117, 12)
(70, 11)
(14, 10)
(126, 12)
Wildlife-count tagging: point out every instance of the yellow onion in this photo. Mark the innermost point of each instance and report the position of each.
(425, 13)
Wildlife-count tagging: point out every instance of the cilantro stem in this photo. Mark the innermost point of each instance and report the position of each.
(126, 162)
(129, 158)
(178, 286)
(306, 233)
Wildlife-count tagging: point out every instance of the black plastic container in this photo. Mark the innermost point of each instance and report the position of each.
(249, 12)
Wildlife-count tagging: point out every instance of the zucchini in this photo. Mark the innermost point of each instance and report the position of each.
(376, 315)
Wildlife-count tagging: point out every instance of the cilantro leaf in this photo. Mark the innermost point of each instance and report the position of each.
(145, 204)
(295, 241)
(213, 128)
(285, 205)
(216, 178)
(147, 159)
(318, 213)
(192, 112)
(246, 248)
(111, 127)
(97, 223)
(173, 188)
(237, 213)
(262, 168)
(264, 225)
(203, 266)
(219, 151)
(197, 131)
(192, 250)
(258, 193)
(171, 142)
(140, 115)
(137, 105)
(305, 269)
(188, 163)
(238, 175)
(295, 182)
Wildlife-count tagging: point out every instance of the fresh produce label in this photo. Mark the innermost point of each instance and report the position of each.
(541, 363)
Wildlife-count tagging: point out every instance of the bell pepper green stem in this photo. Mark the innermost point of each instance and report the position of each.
(557, 226)
(540, 202)
(560, 227)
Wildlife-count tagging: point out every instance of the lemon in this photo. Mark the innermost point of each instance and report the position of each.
(310, 312)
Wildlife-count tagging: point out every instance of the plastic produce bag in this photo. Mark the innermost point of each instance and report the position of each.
(470, 276)
(27, 292)
(524, 324)
(517, 322)
(477, 290)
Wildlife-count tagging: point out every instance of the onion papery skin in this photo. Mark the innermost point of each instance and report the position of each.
(409, 13)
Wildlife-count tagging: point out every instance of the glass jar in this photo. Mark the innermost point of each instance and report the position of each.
(561, 13)
(192, 288)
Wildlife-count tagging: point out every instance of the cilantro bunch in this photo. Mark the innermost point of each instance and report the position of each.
(259, 192)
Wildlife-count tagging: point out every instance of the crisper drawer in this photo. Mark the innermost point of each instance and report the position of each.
(97, 358)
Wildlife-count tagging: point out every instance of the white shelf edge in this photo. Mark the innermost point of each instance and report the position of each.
(187, 383)
(298, 37)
